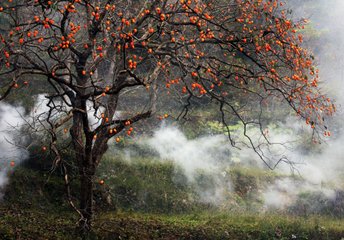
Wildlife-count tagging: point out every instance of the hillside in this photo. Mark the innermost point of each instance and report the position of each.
(34, 207)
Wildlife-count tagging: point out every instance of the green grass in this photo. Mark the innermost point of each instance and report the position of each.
(39, 224)
(148, 205)
(148, 185)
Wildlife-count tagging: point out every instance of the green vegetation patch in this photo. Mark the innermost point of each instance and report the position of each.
(39, 224)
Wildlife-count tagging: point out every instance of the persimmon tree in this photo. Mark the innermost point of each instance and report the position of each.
(92, 53)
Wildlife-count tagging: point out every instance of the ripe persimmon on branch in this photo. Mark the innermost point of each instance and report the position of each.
(92, 52)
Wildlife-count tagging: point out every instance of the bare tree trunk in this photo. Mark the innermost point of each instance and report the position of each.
(87, 174)
(82, 143)
(86, 199)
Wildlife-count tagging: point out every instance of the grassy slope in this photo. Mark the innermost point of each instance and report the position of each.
(39, 224)
(34, 209)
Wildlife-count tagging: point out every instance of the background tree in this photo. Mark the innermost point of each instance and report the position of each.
(97, 54)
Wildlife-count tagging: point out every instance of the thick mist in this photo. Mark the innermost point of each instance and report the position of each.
(10, 155)
(208, 155)
(321, 171)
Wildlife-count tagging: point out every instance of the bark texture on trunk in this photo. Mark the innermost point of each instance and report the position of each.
(82, 143)
(89, 146)
(86, 201)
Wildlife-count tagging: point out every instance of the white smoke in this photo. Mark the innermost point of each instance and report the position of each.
(10, 155)
(208, 155)
(204, 153)
(324, 169)
(213, 155)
